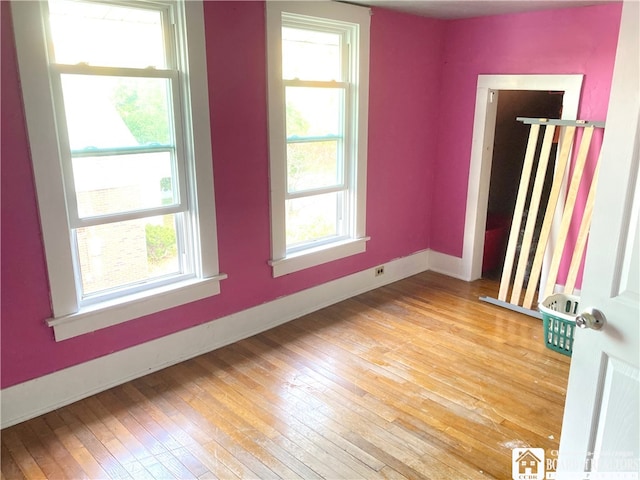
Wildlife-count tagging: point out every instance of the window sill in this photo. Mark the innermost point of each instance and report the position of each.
(317, 256)
(106, 314)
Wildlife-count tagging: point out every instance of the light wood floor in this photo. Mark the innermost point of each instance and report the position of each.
(415, 380)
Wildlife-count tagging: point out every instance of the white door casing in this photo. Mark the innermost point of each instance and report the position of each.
(601, 426)
(484, 125)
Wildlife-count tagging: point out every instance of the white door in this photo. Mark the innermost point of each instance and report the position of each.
(600, 431)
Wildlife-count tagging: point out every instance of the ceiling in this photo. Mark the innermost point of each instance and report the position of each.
(449, 9)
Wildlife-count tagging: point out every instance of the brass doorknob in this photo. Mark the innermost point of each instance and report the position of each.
(591, 318)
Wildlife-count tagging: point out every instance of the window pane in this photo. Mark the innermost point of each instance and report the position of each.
(310, 55)
(313, 218)
(106, 35)
(314, 111)
(125, 253)
(312, 165)
(108, 112)
(122, 183)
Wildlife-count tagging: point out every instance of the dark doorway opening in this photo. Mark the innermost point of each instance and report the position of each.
(510, 142)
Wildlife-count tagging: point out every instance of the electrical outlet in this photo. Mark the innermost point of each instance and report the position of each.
(379, 271)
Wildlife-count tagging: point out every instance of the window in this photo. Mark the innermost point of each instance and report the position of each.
(123, 175)
(318, 62)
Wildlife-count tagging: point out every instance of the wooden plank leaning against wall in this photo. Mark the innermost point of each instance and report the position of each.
(530, 200)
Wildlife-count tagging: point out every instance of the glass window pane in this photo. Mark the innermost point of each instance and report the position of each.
(125, 253)
(313, 218)
(106, 35)
(314, 111)
(312, 165)
(111, 112)
(310, 55)
(123, 183)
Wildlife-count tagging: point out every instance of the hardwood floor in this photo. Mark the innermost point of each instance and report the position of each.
(414, 380)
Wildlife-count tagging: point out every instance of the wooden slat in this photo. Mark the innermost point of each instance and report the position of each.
(543, 239)
(567, 213)
(517, 213)
(534, 206)
(583, 233)
(414, 380)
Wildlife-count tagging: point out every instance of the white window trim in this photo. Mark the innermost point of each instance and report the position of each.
(69, 320)
(282, 262)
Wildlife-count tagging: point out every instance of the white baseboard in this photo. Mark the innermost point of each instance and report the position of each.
(447, 265)
(44, 394)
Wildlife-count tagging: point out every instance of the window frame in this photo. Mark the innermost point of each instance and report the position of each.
(71, 317)
(284, 261)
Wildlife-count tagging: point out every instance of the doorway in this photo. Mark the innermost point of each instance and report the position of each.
(509, 146)
(488, 88)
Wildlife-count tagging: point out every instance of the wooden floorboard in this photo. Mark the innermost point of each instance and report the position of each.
(415, 380)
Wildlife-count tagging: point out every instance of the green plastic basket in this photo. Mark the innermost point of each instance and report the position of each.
(559, 313)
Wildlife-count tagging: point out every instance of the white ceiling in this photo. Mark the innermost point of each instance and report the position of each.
(449, 9)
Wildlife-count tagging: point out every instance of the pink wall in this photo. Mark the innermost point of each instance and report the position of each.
(579, 40)
(404, 85)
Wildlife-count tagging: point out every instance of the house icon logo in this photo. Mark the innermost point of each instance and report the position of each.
(528, 463)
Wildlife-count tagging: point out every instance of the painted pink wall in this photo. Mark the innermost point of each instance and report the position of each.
(403, 114)
(577, 40)
(404, 85)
